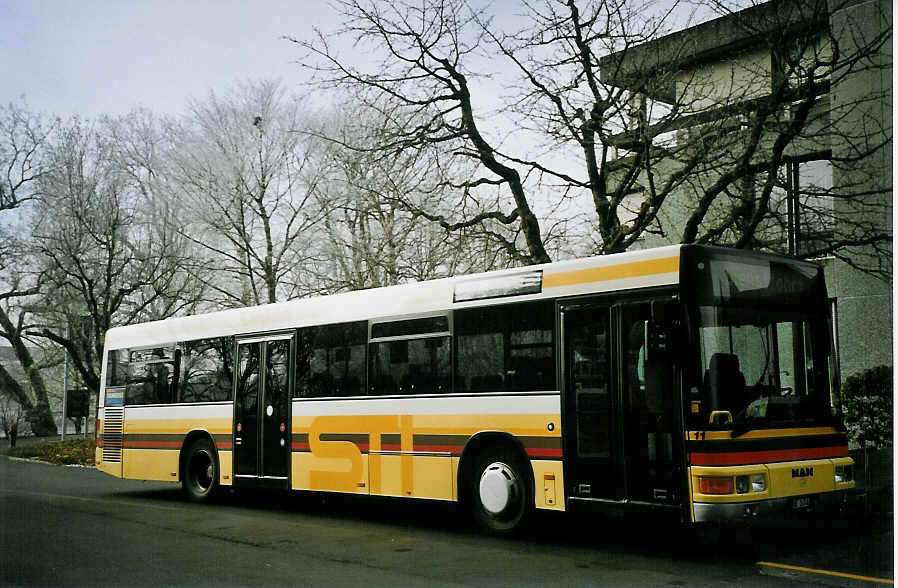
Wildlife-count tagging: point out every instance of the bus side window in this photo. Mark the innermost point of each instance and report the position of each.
(410, 356)
(206, 372)
(152, 376)
(505, 348)
(117, 367)
(415, 366)
(330, 360)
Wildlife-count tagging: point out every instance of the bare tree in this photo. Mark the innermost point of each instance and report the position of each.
(762, 140)
(606, 113)
(373, 234)
(23, 137)
(106, 255)
(248, 182)
(423, 73)
(33, 400)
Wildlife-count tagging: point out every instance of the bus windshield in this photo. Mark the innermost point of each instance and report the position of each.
(764, 342)
(762, 369)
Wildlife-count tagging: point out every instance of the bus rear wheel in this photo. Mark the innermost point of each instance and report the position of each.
(500, 494)
(200, 475)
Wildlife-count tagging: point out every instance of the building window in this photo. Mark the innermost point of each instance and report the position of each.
(802, 206)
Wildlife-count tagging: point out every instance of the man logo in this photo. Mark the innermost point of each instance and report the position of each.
(802, 472)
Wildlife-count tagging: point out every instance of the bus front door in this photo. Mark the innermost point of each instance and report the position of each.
(620, 423)
(649, 410)
(262, 411)
(589, 404)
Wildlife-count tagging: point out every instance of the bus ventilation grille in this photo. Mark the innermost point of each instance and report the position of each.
(113, 419)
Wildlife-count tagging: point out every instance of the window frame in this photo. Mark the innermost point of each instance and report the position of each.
(447, 335)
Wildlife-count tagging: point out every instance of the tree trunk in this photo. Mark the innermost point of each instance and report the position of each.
(37, 412)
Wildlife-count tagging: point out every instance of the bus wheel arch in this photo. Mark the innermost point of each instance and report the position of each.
(199, 466)
(495, 482)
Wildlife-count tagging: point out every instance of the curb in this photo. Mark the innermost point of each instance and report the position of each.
(49, 463)
(815, 576)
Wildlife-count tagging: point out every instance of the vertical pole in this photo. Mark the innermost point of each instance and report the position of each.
(790, 208)
(796, 209)
(65, 379)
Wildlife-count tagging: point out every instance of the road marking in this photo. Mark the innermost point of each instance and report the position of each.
(826, 572)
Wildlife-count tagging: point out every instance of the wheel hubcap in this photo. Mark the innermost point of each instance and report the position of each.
(203, 470)
(499, 488)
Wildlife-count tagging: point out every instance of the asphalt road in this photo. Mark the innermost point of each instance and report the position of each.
(76, 526)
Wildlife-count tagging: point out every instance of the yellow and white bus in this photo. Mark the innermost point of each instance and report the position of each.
(687, 383)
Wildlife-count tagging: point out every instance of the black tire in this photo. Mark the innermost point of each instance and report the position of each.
(500, 493)
(200, 475)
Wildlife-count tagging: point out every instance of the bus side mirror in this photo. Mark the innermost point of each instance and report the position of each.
(657, 342)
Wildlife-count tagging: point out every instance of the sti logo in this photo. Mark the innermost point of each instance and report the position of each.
(802, 472)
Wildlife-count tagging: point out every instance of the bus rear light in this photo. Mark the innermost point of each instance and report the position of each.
(715, 485)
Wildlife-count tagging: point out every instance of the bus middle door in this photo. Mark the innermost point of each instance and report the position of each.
(262, 411)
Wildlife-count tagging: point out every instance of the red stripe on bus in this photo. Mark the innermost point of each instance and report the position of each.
(544, 452)
(453, 449)
(151, 444)
(753, 457)
(224, 445)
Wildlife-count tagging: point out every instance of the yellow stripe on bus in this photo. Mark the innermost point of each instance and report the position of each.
(665, 265)
(759, 434)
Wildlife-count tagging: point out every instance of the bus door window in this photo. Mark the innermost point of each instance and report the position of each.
(648, 412)
(589, 403)
(276, 413)
(246, 409)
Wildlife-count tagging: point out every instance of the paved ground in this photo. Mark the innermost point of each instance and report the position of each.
(75, 526)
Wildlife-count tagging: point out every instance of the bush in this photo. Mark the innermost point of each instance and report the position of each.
(73, 451)
(867, 405)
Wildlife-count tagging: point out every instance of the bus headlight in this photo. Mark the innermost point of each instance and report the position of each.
(741, 484)
(758, 482)
(844, 473)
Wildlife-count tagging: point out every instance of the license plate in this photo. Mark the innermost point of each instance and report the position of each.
(803, 503)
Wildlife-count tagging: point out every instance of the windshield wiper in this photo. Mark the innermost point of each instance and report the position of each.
(740, 429)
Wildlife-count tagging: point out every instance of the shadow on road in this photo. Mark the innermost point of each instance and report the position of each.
(857, 543)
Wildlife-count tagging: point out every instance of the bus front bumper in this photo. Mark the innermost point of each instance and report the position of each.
(794, 505)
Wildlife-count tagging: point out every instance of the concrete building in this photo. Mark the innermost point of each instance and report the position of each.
(788, 105)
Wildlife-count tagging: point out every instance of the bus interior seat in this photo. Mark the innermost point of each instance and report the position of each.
(350, 386)
(724, 379)
(383, 385)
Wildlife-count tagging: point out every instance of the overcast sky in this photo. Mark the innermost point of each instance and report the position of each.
(90, 57)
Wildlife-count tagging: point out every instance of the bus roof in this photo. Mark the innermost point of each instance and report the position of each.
(620, 271)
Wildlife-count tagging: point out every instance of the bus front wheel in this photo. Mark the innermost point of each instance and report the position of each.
(500, 494)
(200, 475)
